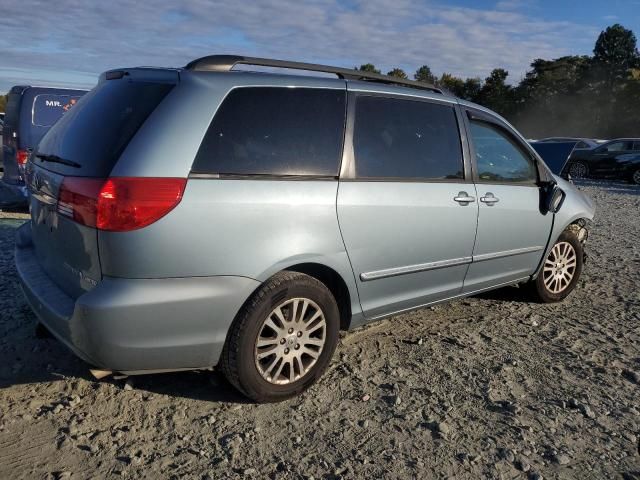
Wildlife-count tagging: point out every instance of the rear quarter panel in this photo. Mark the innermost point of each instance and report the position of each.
(249, 228)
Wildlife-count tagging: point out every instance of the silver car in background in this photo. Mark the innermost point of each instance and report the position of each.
(202, 216)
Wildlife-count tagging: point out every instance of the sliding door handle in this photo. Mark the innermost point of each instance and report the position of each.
(490, 199)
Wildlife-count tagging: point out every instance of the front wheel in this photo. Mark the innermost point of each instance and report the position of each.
(578, 170)
(635, 177)
(561, 269)
(282, 339)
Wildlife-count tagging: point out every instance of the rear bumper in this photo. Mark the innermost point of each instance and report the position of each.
(136, 325)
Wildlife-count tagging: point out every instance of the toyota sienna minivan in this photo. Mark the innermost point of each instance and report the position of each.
(200, 216)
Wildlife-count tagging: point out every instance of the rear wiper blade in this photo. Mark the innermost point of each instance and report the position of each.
(57, 159)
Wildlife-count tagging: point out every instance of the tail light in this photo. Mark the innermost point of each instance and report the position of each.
(21, 157)
(119, 204)
(78, 199)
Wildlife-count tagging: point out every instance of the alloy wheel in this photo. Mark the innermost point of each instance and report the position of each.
(578, 170)
(636, 177)
(290, 341)
(559, 267)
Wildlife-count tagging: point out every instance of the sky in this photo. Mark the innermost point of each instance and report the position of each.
(69, 42)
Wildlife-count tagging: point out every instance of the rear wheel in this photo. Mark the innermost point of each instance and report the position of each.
(561, 269)
(635, 177)
(578, 170)
(283, 338)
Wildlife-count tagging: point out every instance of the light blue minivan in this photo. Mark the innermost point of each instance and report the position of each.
(201, 216)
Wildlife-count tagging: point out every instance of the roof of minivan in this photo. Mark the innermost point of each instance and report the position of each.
(292, 79)
(272, 78)
(262, 78)
(227, 63)
(286, 78)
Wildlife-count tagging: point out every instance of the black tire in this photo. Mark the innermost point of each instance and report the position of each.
(539, 289)
(635, 177)
(238, 360)
(574, 167)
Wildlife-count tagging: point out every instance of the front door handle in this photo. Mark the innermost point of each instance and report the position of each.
(490, 199)
(463, 198)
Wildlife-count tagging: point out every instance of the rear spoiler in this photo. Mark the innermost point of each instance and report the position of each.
(142, 74)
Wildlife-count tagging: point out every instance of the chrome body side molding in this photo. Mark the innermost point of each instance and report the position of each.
(393, 272)
(422, 267)
(506, 253)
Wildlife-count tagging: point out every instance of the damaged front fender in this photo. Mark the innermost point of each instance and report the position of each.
(576, 213)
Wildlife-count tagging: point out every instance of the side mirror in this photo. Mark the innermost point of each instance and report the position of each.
(555, 199)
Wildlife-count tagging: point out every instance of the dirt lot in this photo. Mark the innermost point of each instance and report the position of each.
(491, 386)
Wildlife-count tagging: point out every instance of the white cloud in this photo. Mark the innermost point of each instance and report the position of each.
(86, 38)
(512, 4)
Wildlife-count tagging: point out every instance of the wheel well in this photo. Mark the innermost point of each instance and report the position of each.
(579, 227)
(336, 285)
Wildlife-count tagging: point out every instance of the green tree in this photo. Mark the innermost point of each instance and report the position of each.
(627, 120)
(424, 74)
(583, 96)
(616, 51)
(609, 84)
(472, 87)
(552, 77)
(546, 98)
(368, 67)
(3, 102)
(496, 94)
(453, 84)
(397, 72)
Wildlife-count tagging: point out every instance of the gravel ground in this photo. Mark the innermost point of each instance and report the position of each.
(486, 387)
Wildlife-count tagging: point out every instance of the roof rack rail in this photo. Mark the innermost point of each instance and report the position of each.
(224, 63)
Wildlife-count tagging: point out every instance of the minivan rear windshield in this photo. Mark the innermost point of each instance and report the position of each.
(92, 135)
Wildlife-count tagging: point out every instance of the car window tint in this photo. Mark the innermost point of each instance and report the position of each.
(275, 131)
(636, 145)
(498, 157)
(617, 147)
(48, 108)
(581, 145)
(396, 138)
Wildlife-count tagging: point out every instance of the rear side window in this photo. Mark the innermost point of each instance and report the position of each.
(498, 156)
(275, 131)
(48, 108)
(617, 147)
(406, 139)
(94, 133)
